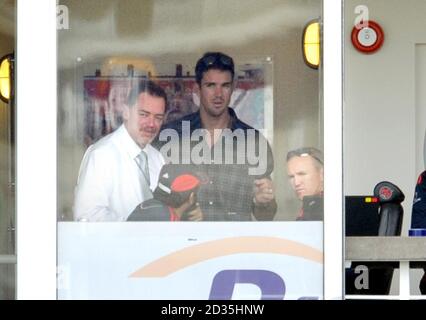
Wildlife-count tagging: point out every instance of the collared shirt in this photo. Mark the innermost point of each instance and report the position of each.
(228, 169)
(195, 122)
(110, 183)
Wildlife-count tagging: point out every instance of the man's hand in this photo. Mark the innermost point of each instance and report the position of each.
(263, 191)
(195, 214)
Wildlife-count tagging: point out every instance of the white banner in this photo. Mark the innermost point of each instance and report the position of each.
(190, 260)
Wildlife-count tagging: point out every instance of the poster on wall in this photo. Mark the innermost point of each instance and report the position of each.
(105, 96)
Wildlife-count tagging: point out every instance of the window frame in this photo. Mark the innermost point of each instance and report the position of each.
(37, 138)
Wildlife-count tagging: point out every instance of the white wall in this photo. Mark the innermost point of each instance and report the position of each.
(379, 103)
(380, 139)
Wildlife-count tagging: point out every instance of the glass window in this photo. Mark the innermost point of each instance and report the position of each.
(105, 53)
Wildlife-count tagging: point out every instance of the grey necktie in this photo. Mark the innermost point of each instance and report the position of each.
(143, 165)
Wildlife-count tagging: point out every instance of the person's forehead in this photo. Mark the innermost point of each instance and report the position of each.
(215, 75)
(145, 100)
(304, 161)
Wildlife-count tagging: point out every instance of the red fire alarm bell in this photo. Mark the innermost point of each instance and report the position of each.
(367, 37)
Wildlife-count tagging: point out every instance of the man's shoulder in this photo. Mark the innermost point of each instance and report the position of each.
(152, 204)
(256, 134)
(177, 124)
(104, 145)
(117, 143)
(422, 178)
(150, 210)
(239, 124)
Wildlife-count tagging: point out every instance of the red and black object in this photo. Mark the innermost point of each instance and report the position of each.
(390, 210)
(364, 29)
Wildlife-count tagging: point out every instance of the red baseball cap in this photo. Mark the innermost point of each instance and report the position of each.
(184, 182)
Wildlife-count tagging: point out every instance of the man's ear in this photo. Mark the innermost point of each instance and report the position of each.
(126, 112)
(166, 115)
(197, 89)
(322, 174)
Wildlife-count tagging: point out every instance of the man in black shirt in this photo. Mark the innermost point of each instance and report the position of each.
(234, 158)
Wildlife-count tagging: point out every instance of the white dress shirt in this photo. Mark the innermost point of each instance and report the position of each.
(110, 183)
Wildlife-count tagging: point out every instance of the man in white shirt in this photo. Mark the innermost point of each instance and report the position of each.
(113, 179)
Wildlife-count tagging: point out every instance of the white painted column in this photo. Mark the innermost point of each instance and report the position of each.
(333, 186)
(36, 149)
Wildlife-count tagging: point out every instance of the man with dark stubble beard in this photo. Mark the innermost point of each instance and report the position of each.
(235, 159)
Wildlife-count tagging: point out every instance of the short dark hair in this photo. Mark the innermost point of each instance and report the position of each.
(307, 151)
(148, 86)
(213, 60)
